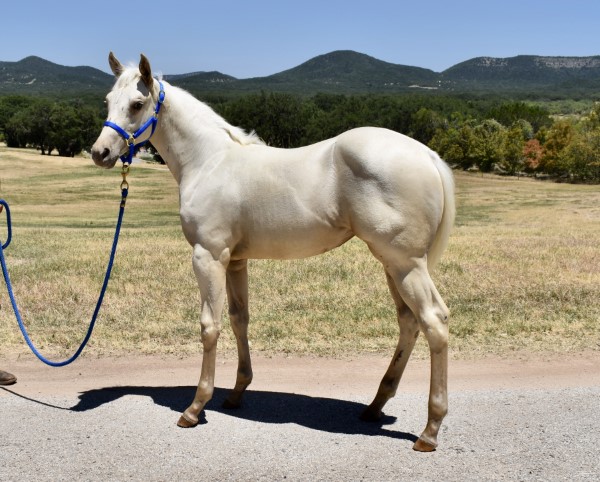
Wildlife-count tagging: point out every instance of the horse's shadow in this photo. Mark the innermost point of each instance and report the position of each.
(317, 413)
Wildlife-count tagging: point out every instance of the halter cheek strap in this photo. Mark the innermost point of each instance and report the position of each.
(131, 138)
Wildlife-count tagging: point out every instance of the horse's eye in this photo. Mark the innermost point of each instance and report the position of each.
(137, 105)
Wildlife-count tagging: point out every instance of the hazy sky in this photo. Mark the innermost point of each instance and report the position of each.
(257, 38)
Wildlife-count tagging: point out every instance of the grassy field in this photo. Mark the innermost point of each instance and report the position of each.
(522, 271)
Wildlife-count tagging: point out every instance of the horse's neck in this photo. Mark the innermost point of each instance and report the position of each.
(187, 135)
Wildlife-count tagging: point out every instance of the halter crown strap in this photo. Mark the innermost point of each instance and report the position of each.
(131, 138)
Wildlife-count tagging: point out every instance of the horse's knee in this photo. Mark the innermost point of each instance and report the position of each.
(209, 336)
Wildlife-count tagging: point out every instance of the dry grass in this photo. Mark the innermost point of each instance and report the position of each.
(521, 271)
(523, 266)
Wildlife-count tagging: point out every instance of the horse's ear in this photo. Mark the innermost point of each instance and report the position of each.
(115, 65)
(146, 72)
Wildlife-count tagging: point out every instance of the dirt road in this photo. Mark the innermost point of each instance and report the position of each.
(528, 418)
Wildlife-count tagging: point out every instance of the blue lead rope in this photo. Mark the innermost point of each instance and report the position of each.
(127, 158)
(124, 192)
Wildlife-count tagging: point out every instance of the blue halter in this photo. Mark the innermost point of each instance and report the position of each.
(131, 138)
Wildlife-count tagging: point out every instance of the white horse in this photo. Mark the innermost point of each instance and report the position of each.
(241, 199)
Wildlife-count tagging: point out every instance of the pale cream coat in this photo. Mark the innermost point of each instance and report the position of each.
(241, 199)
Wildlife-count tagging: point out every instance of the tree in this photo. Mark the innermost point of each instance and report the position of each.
(508, 113)
(39, 121)
(558, 137)
(532, 153)
(525, 127)
(581, 158)
(488, 145)
(44, 124)
(425, 123)
(17, 130)
(593, 120)
(91, 123)
(279, 119)
(513, 159)
(10, 105)
(456, 143)
(66, 127)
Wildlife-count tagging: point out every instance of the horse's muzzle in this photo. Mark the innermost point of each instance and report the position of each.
(103, 156)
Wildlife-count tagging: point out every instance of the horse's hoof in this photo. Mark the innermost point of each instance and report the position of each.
(229, 405)
(185, 422)
(422, 446)
(370, 415)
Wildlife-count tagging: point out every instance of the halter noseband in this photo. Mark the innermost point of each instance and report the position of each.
(131, 138)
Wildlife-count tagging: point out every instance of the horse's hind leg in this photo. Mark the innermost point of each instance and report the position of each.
(237, 295)
(409, 332)
(420, 294)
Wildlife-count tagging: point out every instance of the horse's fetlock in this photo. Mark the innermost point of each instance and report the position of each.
(206, 389)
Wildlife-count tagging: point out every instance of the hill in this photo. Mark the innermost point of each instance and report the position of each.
(342, 71)
(34, 75)
(523, 72)
(347, 71)
(201, 80)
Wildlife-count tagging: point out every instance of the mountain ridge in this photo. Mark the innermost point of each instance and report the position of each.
(340, 71)
(45, 76)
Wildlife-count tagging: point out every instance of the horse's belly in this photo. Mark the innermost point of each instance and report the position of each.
(285, 220)
(290, 243)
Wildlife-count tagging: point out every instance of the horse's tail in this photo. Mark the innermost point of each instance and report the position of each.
(443, 233)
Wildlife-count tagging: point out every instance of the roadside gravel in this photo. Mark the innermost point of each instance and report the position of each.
(115, 420)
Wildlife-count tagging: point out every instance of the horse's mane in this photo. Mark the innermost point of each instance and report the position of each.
(236, 134)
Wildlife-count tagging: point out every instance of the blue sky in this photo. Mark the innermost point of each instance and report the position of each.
(257, 38)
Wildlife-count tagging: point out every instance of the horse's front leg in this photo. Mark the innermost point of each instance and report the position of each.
(210, 271)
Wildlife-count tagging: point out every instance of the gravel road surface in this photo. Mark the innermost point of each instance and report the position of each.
(115, 419)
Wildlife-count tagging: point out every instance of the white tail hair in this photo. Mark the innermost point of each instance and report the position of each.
(443, 233)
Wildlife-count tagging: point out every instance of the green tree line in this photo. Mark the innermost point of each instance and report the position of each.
(68, 127)
(511, 137)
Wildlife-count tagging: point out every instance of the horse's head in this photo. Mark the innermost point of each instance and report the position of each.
(130, 103)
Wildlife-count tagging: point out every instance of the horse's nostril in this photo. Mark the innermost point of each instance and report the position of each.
(105, 153)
